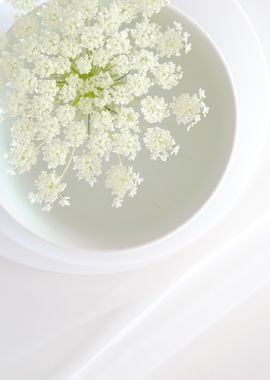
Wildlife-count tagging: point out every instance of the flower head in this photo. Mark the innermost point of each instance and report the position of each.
(173, 42)
(88, 167)
(48, 190)
(160, 143)
(82, 82)
(122, 181)
(23, 5)
(189, 109)
(155, 109)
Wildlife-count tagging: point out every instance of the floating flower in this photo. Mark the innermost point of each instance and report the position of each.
(24, 5)
(122, 181)
(173, 42)
(154, 109)
(49, 189)
(189, 109)
(160, 143)
(82, 82)
(167, 75)
(88, 167)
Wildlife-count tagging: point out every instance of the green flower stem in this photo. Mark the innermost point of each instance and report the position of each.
(110, 109)
(74, 70)
(89, 95)
(122, 77)
(61, 82)
(119, 83)
(76, 101)
(59, 77)
(68, 164)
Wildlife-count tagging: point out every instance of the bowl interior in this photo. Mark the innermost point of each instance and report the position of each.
(171, 193)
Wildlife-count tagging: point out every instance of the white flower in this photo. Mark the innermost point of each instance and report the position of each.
(75, 82)
(61, 65)
(126, 144)
(154, 109)
(173, 42)
(168, 75)
(78, 78)
(101, 57)
(25, 82)
(66, 115)
(69, 47)
(87, 8)
(67, 93)
(144, 60)
(25, 26)
(102, 80)
(24, 5)
(51, 15)
(17, 104)
(128, 10)
(49, 43)
(122, 181)
(22, 156)
(160, 143)
(44, 66)
(76, 134)
(84, 65)
(48, 87)
(74, 22)
(100, 144)
(189, 109)
(3, 40)
(23, 130)
(102, 121)
(120, 65)
(86, 105)
(148, 7)
(55, 153)
(110, 18)
(48, 128)
(92, 37)
(10, 66)
(28, 49)
(48, 189)
(40, 106)
(122, 95)
(88, 167)
(146, 33)
(119, 43)
(127, 118)
(139, 84)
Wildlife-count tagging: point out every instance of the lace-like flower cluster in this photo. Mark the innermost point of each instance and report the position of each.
(80, 79)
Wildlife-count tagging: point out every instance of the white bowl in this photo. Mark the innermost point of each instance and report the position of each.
(92, 237)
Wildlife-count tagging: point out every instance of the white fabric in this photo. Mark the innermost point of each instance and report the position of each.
(125, 326)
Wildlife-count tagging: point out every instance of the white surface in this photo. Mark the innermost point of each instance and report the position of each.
(55, 326)
(235, 348)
